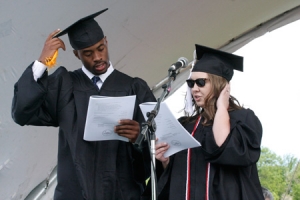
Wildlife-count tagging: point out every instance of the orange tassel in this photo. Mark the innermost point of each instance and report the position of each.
(51, 61)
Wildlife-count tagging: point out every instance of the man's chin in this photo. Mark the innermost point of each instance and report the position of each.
(99, 72)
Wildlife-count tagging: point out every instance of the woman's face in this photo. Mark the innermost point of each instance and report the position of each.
(200, 93)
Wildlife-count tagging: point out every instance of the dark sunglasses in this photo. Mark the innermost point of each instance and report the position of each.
(200, 82)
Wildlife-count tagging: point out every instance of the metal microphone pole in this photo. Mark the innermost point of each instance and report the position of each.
(149, 128)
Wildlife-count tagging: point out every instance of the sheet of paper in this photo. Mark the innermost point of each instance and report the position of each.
(169, 130)
(103, 115)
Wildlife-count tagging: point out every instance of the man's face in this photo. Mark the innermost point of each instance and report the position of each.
(95, 58)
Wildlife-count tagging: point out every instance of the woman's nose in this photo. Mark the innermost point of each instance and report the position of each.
(195, 87)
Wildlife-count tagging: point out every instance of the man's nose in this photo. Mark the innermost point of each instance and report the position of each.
(97, 56)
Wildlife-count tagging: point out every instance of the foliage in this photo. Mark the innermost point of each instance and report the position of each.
(281, 175)
(296, 183)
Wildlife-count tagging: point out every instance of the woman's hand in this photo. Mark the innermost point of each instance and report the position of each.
(223, 100)
(221, 125)
(160, 149)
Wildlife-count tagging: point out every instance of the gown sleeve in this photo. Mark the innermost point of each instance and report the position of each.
(141, 155)
(241, 147)
(143, 94)
(39, 102)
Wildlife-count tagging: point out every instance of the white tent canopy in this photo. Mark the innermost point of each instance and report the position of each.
(144, 39)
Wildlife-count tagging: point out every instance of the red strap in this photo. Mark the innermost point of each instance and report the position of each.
(188, 176)
(207, 182)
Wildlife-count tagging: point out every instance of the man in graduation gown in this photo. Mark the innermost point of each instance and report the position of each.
(85, 170)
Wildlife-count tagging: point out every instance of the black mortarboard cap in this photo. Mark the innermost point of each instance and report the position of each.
(85, 32)
(217, 62)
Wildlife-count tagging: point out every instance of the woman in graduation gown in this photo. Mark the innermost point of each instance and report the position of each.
(224, 167)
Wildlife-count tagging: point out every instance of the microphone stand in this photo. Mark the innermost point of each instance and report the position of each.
(149, 128)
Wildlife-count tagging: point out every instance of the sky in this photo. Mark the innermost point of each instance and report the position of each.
(269, 86)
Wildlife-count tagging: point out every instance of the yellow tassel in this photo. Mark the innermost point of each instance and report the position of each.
(51, 61)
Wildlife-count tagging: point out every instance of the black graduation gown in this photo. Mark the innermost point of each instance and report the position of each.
(85, 170)
(233, 172)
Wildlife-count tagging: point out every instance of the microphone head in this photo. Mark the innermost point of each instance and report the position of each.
(184, 61)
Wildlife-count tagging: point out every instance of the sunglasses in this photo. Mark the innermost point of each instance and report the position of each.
(200, 82)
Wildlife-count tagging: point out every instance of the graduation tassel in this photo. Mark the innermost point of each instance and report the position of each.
(51, 61)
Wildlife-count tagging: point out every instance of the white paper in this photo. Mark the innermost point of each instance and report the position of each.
(169, 130)
(103, 115)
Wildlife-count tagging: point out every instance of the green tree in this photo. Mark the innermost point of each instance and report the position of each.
(295, 181)
(281, 175)
(272, 173)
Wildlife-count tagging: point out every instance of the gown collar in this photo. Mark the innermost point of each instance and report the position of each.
(103, 77)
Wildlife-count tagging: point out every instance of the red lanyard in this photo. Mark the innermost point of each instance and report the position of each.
(188, 176)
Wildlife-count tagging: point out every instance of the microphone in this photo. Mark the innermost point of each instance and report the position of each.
(181, 63)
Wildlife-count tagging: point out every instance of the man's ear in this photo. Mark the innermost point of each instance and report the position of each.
(76, 54)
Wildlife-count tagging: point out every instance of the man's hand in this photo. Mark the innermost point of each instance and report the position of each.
(128, 128)
(50, 46)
